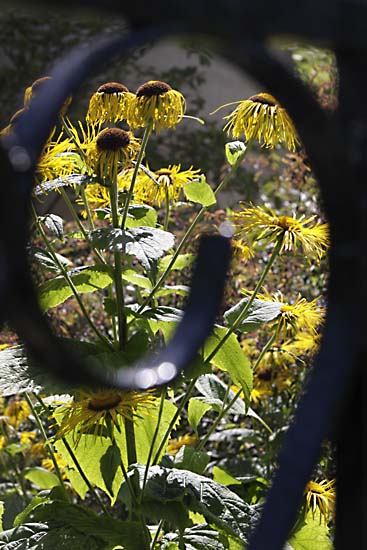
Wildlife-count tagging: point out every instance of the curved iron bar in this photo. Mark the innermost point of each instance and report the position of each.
(18, 160)
(322, 138)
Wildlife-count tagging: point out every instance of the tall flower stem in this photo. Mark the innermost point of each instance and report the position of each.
(68, 279)
(155, 435)
(185, 238)
(175, 418)
(243, 314)
(139, 158)
(46, 440)
(166, 215)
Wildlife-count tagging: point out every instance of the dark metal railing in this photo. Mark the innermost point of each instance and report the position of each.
(334, 404)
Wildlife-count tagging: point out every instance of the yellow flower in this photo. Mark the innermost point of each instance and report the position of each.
(156, 103)
(37, 85)
(38, 451)
(17, 411)
(112, 149)
(261, 117)
(175, 445)
(241, 250)
(27, 437)
(48, 464)
(3, 442)
(267, 378)
(109, 103)
(165, 182)
(320, 496)
(92, 411)
(301, 316)
(58, 159)
(261, 223)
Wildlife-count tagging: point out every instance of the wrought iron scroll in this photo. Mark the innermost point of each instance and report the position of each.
(337, 147)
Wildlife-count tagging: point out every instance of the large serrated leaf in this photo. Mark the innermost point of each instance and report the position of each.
(214, 391)
(55, 291)
(72, 179)
(55, 224)
(312, 535)
(141, 215)
(260, 312)
(219, 505)
(199, 537)
(182, 261)
(146, 243)
(68, 526)
(230, 358)
(44, 258)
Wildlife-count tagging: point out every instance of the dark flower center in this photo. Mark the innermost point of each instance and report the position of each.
(264, 374)
(113, 139)
(104, 402)
(112, 88)
(152, 88)
(263, 100)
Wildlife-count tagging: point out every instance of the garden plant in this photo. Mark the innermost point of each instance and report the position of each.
(186, 466)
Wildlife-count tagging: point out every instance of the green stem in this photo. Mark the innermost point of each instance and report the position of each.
(130, 441)
(184, 240)
(249, 303)
(176, 416)
(68, 279)
(155, 435)
(155, 540)
(120, 301)
(19, 478)
(47, 442)
(75, 216)
(266, 348)
(139, 158)
(87, 209)
(166, 216)
(84, 477)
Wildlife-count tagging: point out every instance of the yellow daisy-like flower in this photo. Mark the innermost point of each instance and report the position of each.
(261, 223)
(48, 464)
(37, 85)
(261, 117)
(38, 451)
(320, 496)
(109, 103)
(111, 150)
(17, 411)
(156, 103)
(26, 438)
(241, 250)
(3, 442)
(267, 378)
(167, 183)
(305, 343)
(91, 411)
(58, 159)
(175, 445)
(301, 316)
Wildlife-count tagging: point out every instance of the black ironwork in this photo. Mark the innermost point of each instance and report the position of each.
(336, 145)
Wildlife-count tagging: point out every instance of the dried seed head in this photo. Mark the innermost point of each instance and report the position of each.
(112, 88)
(153, 88)
(113, 139)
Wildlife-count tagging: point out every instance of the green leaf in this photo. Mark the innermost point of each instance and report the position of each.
(196, 410)
(146, 243)
(220, 506)
(260, 312)
(182, 261)
(199, 537)
(1, 514)
(110, 462)
(91, 450)
(22, 517)
(311, 536)
(141, 215)
(18, 375)
(200, 191)
(131, 276)
(55, 224)
(188, 458)
(230, 358)
(41, 477)
(214, 392)
(55, 291)
(47, 262)
(234, 150)
(169, 290)
(72, 179)
(64, 526)
(223, 477)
